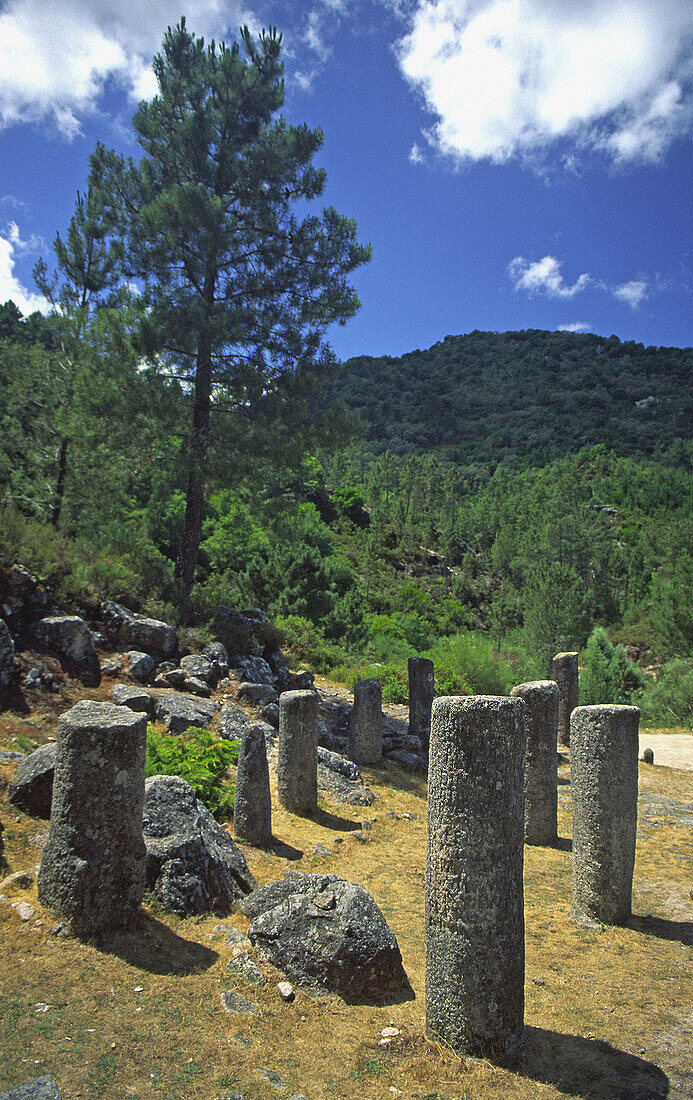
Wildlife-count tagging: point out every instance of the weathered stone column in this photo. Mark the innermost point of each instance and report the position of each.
(565, 672)
(365, 739)
(252, 811)
(93, 865)
(604, 783)
(421, 680)
(297, 760)
(474, 924)
(541, 780)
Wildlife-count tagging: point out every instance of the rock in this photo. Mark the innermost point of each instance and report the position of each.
(303, 680)
(7, 757)
(111, 667)
(40, 1088)
(286, 991)
(200, 667)
(9, 672)
(24, 910)
(253, 670)
(218, 655)
(69, 637)
(234, 938)
(233, 723)
(124, 628)
(280, 667)
(179, 712)
(648, 756)
(274, 893)
(196, 687)
(270, 713)
(320, 851)
(234, 1003)
(140, 665)
(342, 780)
(192, 862)
(23, 599)
(123, 695)
(170, 678)
(327, 937)
(31, 788)
(409, 761)
(242, 966)
(22, 879)
(258, 695)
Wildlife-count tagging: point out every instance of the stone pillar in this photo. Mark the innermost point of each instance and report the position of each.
(565, 672)
(93, 865)
(297, 760)
(475, 953)
(541, 781)
(252, 811)
(604, 783)
(420, 698)
(365, 740)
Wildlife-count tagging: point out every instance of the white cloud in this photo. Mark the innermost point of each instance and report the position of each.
(632, 293)
(56, 55)
(544, 277)
(575, 326)
(507, 78)
(415, 155)
(12, 246)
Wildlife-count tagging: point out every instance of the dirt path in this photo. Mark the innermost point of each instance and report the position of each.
(671, 750)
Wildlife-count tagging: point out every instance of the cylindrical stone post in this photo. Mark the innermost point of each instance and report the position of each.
(475, 950)
(604, 784)
(421, 680)
(565, 672)
(93, 865)
(297, 759)
(252, 810)
(365, 738)
(541, 780)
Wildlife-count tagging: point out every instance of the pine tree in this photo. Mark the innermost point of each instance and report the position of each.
(238, 291)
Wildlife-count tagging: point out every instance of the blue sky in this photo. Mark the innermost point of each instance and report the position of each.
(514, 163)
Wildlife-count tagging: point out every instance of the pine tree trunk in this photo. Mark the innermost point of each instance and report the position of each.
(195, 499)
(60, 483)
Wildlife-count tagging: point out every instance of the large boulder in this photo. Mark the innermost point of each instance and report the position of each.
(32, 786)
(126, 630)
(72, 642)
(200, 667)
(341, 779)
(257, 695)
(192, 863)
(234, 722)
(326, 934)
(179, 711)
(125, 695)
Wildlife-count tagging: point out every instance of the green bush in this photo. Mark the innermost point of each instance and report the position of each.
(305, 642)
(607, 675)
(669, 699)
(201, 759)
(468, 663)
(393, 676)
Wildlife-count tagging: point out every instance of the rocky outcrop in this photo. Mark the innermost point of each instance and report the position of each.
(125, 630)
(31, 788)
(23, 600)
(179, 711)
(233, 723)
(71, 640)
(326, 934)
(192, 863)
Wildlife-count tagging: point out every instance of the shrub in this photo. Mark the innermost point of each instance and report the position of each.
(669, 699)
(305, 642)
(393, 676)
(607, 675)
(468, 663)
(201, 759)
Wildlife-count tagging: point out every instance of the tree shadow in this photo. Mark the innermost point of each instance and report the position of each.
(285, 851)
(679, 931)
(396, 996)
(587, 1067)
(153, 946)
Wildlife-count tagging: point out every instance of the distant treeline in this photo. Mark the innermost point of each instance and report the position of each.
(528, 397)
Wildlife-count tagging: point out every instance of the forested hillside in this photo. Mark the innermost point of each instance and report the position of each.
(528, 397)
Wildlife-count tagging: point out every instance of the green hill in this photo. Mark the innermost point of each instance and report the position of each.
(532, 395)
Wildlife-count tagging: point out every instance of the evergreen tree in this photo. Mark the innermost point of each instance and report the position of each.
(238, 291)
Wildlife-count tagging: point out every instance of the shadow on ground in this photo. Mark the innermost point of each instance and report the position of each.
(332, 821)
(586, 1067)
(680, 931)
(285, 851)
(151, 945)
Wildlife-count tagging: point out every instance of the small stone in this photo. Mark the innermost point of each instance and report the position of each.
(233, 1002)
(360, 836)
(234, 938)
(273, 1078)
(23, 910)
(648, 756)
(384, 1042)
(243, 1041)
(59, 929)
(139, 989)
(40, 1007)
(22, 879)
(286, 991)
(320, 851)
(390, 1032)
(244, 967)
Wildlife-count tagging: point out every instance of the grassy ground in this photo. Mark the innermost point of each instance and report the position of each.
(608, 1011)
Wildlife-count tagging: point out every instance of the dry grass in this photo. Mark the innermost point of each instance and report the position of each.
(608, 1011)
